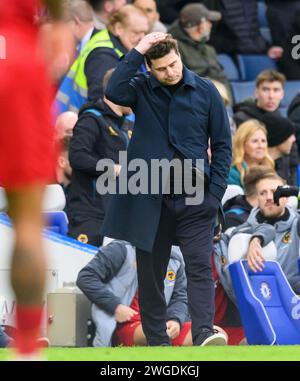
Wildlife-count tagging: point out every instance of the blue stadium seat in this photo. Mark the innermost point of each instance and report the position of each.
(57, 222)
(242, 90)
(229, 67)
(291, 89)
(268, 307)
(251, 65)
(262, 17)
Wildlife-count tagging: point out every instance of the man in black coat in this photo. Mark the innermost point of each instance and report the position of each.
(176, 113)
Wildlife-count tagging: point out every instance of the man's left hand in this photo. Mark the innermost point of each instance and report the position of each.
(173, 329)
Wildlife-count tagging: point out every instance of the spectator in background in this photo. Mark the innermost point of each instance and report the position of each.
(294, 116)
(150, 8)
(289, 63)
(63, 168)
(281, 137)
(169, 9)
(125, 29)
(103, 9)
(238, 208)
(192, 32)
(227, 102)
(100, 133)
(239, 30)
(80, 15)
(65, 123)
(269, 93)
(281, 16)
(250, 148)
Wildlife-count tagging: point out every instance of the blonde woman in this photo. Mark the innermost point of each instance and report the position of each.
(250, 148)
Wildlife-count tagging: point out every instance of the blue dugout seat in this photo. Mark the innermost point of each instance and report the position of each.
(53, 204)
(269, 309)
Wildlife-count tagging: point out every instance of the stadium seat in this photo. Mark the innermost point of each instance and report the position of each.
(3, 200)
(229, 67)
(251, 65)
(261, 10)
(57, 222)
(54, 198)
(238, 248)
(268, 307)
(53, 204)
(242, 90)
(231, 191)
(291, 89)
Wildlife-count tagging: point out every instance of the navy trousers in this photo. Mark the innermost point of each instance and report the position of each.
(191, 227)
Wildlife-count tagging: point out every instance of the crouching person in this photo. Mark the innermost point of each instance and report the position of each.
(110, 282)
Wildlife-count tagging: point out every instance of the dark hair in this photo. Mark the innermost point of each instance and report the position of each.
(256, 174)
(270, 75)
(162, 49)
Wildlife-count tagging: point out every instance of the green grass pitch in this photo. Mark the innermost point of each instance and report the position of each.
(232, 353)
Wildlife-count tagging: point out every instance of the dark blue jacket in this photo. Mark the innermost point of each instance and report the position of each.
(165, 124)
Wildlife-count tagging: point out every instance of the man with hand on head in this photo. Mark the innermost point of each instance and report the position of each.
(176, 113)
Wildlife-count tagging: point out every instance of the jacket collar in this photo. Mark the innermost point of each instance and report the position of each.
(281, 225)
(188, 79)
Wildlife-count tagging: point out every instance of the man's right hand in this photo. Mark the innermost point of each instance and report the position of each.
(150, 40)
(254, 256)
(124, 313)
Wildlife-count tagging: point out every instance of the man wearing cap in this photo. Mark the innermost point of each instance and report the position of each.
(280, 141)
(192, 32)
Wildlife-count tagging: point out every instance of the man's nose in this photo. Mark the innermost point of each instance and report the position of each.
(271, 94)
(169, 71)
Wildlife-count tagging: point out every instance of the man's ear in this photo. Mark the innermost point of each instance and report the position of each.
(61, 161)
(200, 27)
(118, 29)
(147, 65)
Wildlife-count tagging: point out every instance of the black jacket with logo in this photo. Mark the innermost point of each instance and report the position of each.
(95, 137)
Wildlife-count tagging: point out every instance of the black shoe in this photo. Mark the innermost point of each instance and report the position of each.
(210, 337)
